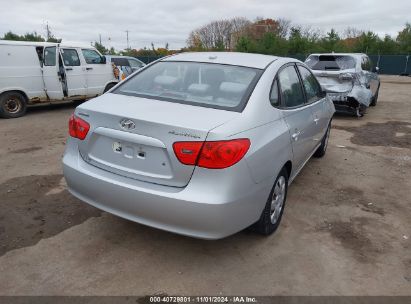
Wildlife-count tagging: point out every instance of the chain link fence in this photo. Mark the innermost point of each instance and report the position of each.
(392, 64)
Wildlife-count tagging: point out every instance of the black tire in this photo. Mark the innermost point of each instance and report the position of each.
(324, 143)
(109, 86)
(360, 111)
(12, 105)
(375, 98)
(267, 224)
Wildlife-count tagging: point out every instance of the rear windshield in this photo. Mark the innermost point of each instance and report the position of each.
(120, 61)
(330, 62)
(202, 84)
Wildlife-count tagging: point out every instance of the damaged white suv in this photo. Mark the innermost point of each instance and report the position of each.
(350, 80)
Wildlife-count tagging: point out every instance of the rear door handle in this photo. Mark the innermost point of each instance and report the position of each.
(88, 69)
(69, 69)
(295, 135)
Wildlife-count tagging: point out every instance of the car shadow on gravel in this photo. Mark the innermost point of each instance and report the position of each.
(388, 134)
(52, 107)
(37, 207)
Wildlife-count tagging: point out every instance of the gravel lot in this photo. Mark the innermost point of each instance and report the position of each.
(346, 228)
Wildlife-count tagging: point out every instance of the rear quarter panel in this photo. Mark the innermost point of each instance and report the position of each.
(270, 150)
(265, 127)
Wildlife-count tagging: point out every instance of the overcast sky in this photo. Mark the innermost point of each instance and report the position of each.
(161, 21)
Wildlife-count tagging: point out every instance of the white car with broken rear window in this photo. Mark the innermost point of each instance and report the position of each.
(41, 72)
(350, 80)
(126, 65)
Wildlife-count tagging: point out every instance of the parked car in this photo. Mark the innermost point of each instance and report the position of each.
(126, 65)
(350, 79)
(39, 72)
(200, 144)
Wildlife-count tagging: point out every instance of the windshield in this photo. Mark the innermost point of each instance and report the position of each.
(203, 84)
(330, 62)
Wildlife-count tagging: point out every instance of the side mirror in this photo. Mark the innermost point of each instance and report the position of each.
(103, 60)
(376, 69)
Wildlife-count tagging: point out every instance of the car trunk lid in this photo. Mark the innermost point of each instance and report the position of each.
(134, 137)
(336, 81)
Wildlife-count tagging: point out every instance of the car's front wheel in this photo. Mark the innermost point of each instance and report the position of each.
(274, 208)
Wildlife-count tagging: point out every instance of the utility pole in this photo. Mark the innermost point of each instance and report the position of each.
(127, 39)
(99, 36)
(48, 31)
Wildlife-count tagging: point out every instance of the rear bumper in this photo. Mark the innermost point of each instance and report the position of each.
(350, 108)
(359, 96)
(343, 104)
(341, 107)
(212, 206)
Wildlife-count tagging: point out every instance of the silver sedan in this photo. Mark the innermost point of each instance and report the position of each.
(200, 144)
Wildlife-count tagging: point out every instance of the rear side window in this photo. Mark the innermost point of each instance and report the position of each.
(70, 57)
(120, 61)
(50, 56)
(366, 64)
(135, 63)
(203, 84)
(92, 57)
(290, 87)
(274, 98)
(311, 86)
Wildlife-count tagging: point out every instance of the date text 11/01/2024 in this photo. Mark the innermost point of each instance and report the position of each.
(202, 299)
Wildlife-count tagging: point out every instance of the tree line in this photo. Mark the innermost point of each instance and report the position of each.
(144, 52)
(30, 37)
(266, 36)
(281, 37)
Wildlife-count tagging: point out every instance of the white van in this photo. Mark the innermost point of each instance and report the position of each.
(40, 72)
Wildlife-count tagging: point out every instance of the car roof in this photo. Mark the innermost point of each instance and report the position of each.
(119, 56)
(45, 44)
(339, 54)
(116, 56)
(231, 58)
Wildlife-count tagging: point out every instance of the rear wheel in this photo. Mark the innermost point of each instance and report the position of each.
(109, 86)
(375, 98)
(360, 110)
(12, 105)
(273, 211)
(324, 143)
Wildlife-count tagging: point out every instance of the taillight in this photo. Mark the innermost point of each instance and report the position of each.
(222, 154)
(187, 152)
(78, 128)
(212, 154)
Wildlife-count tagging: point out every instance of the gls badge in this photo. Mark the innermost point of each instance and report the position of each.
(127, 124)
